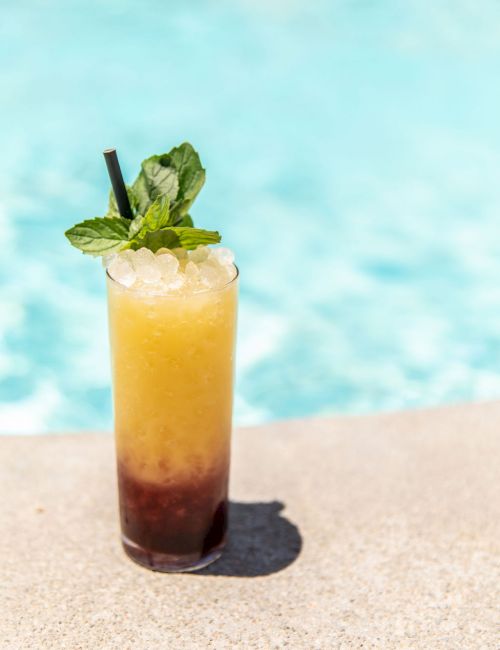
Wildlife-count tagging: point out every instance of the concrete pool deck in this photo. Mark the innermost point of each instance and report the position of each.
(347, 532)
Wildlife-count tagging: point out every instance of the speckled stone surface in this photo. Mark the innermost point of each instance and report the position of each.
(389, 537)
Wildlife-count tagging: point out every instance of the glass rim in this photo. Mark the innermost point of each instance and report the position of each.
(174, 295)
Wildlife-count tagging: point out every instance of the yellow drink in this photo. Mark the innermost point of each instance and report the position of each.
(172, 359)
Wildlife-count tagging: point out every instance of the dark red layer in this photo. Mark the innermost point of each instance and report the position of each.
(177, 519)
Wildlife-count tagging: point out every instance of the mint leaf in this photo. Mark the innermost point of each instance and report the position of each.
(191, 175)
(178, 174)
(112, 212)
(186, 221)
(99, 236)
(156, 240)
(173, 237)
(158, 215)
(190, 238)
(135, 226)
(157, 178)
(141, 194)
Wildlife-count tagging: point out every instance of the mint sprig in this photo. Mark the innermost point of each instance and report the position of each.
(160, 198)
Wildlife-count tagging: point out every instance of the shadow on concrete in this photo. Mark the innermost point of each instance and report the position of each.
(261, 542)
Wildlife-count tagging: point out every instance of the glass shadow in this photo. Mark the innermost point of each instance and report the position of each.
(261, 541)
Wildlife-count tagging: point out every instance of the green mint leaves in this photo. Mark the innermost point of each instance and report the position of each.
(191, 176)
(157, 229)
(158, 216)
(157, 178)
(160, 198)
(175, 237)
(100, 236)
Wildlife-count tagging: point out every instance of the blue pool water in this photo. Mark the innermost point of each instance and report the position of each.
(353, 155)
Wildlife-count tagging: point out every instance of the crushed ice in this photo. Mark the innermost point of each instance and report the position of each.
(172, 271)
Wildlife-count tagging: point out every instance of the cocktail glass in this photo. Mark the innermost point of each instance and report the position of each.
(173, 366)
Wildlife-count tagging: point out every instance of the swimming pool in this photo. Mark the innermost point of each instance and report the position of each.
(353, 165)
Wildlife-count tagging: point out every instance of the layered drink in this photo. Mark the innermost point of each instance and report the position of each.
(172, 319)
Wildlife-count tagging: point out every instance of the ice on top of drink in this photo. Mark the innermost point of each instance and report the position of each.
(176, 271)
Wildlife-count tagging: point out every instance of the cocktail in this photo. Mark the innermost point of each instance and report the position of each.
(172, 315)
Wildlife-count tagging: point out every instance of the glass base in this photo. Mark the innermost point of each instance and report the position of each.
(167, 563)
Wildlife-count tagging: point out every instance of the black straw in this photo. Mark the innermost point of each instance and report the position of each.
(119, 189)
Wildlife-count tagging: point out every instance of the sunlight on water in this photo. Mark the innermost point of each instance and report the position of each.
(353, 166)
